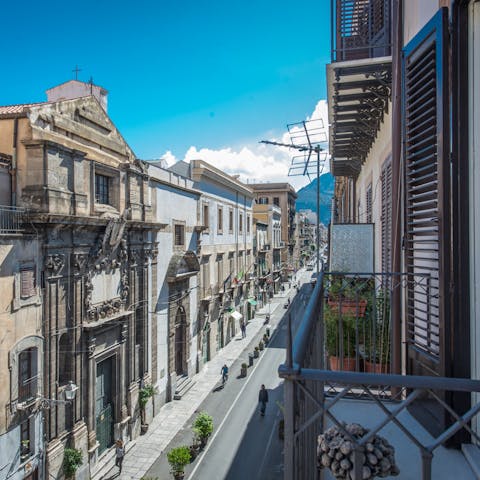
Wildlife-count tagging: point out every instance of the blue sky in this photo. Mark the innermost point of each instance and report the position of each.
(210, 74)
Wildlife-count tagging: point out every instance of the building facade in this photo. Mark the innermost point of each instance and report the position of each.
(87, 201)
(407, 165)
(281, 195)
(174, 327)
(226, 295)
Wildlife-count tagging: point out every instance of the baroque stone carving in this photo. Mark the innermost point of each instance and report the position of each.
(108, 254)
(55, 263)
(79, 261)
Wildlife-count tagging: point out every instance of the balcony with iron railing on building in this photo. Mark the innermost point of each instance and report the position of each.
(358, 79)
(11, 220)
(347, 415)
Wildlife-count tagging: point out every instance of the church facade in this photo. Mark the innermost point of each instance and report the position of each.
(88, 204)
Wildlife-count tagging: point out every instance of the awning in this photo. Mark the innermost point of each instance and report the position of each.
(252, 301)
(359, 91)
(236, 315)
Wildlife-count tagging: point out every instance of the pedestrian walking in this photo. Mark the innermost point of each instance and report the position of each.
(224, 372)
(263, 399)
(119, 454)
(243, 328)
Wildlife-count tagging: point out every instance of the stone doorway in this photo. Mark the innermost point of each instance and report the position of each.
(180, 341)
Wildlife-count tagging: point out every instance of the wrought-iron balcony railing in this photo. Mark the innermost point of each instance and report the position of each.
(28, 390)
(11, 220)
(319, 399)
(360, 29)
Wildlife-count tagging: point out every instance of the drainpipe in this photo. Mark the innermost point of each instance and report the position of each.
(13, 169)
(396, 299)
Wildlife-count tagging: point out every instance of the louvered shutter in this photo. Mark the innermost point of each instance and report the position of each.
(386, 219)
(27, 282)
(369, 204)
(427, 190)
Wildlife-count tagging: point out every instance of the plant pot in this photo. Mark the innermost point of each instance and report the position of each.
(255, 354)
(143, 428)
(179, 476)
(348, 307)
(194, 451)
(243, 371)
(203, 442)
(376, 367)
(349, 364)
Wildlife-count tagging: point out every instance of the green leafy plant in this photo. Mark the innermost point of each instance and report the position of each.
(203, 425)
(178, 457)
(72, 459)
(244, 365)
(144, 394)
(332, 319)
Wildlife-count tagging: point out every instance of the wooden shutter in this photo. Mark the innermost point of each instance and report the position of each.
(27, 282)
(386, 218)
(427, 191)
(369, 204)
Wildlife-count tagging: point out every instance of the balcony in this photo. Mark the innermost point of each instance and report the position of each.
(348, 317)
(358, 79)
(264, 248)
(11, 220)
(361, 29)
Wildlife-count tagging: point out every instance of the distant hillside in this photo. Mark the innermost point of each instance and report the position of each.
(307, 197)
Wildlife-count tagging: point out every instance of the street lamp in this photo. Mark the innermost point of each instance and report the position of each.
(70, 392)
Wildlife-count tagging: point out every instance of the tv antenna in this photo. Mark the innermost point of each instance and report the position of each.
(308, 137)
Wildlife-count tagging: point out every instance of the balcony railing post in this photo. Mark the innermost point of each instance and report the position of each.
(427, 465)
(289, 429)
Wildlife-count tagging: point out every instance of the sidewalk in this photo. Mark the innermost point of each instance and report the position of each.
(142, 452)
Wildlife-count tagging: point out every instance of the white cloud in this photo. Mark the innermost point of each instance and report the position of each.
(257, 162)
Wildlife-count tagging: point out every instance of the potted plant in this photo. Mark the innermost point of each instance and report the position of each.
(203, 427)
(335, 344)
(261, 345)
(243, 370)
(144, 395)
(265, 339)
(377, 342)
(349, 296)
(25, 450)
(255, 352)
(72, 459)
(178, 457)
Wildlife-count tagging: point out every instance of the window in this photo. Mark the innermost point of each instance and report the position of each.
(230, 221)
(25, 443)
(263, 201)
(220, 269)
(240, 223)
(102, 189)
(220, 220)
(27, 375)
(276, 201)
(179, 235)
(27, 281)
(248, 223)
(205, 215)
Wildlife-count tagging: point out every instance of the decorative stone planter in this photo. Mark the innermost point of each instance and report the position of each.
(243, 370)
(256, 353)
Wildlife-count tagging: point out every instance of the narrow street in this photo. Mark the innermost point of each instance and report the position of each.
(244, 444)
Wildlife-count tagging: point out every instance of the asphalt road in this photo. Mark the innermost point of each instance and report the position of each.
(244, 444)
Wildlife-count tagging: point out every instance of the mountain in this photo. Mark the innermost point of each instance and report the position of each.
(307, 197)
